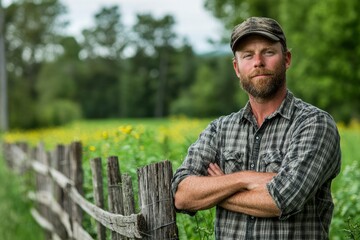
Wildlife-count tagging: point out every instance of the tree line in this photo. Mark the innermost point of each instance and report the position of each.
(148, 70)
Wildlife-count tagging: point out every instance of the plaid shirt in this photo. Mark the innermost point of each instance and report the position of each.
(299, 142)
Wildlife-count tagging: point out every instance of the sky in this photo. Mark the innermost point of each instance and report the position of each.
(193, 21)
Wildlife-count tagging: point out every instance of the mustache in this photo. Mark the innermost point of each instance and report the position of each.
(261, 72)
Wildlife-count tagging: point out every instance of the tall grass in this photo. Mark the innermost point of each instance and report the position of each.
(16, 221)
(140, 142)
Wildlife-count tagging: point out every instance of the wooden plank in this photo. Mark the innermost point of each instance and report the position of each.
(46, 199)
(156, 201)
(97, 180)
(80, 233)
(45, 224)
(130, 226)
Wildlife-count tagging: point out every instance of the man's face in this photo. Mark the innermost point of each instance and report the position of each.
(261, 65)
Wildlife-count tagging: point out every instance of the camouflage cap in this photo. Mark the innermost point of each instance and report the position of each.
(266, 27)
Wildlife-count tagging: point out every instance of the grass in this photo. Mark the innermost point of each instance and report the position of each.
(140, 142)
(16, 220)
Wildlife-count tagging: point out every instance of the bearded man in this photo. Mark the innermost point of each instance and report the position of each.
(267, 168)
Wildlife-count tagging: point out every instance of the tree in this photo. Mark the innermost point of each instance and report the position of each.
(232, 12)
(57, 87)
(103, 65)
(214, 92)
(155, 38)
(107, 38)
(32, 35)
(3, 76)
(326, 69)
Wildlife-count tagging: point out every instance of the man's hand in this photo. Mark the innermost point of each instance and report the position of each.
(214, 170)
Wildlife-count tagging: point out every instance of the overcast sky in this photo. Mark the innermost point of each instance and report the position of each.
(192, 20)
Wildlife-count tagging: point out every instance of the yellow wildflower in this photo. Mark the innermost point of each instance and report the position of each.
(136, 135)
(126, 129)
(105, 135)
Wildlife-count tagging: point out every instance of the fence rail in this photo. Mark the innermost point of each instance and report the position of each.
(60, 204)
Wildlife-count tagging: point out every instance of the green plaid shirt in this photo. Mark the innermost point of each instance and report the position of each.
(299, 142)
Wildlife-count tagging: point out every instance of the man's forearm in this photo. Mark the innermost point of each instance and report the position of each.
(197, 193)
(256, 202)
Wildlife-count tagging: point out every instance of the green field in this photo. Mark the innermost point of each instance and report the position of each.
(141, 142)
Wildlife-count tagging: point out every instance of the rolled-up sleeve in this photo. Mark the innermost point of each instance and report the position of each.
(200, 155)
(312, 161)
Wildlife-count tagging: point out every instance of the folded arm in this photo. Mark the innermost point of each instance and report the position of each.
(255, 201)
(243, 191)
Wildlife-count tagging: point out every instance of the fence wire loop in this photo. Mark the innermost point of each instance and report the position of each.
(158, 201)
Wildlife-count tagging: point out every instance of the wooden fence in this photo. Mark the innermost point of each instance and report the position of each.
(60, 206)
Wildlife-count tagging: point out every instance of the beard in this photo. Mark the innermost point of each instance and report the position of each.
(266, 87)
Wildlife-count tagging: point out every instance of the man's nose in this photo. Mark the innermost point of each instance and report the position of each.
(258, 60)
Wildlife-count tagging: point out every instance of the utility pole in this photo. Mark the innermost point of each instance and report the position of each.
(3, 77)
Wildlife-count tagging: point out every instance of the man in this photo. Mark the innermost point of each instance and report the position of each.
(267, 168)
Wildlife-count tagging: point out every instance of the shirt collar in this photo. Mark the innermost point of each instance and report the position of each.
(284, 110)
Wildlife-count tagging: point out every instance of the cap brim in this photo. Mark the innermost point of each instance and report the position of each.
(262, 33)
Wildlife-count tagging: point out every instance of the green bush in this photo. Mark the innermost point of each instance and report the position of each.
(347, 203)
(58, 112)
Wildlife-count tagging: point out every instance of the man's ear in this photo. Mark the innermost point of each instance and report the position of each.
(287, 59)
(235, 65)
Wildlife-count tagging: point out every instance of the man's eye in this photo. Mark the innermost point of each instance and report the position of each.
(247, 56)
(269, 52)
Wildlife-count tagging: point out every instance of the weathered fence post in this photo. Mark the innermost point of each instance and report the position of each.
(116, 203)
(156, 201)
(57, 159)
(128, 192)
(65, 169)
(43, 184)
(96, 169)
(76, 175)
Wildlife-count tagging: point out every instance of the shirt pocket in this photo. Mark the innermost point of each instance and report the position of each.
(271, 161)
(232, 162)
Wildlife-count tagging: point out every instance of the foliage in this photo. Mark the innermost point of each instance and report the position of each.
(57, 112)
(347, 202)
(346, 188)
(210, 94)
(352, 230)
